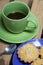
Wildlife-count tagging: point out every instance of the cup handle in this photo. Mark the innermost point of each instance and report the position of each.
(32, 25)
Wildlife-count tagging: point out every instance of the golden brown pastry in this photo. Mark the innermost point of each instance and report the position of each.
(28, 52)
(41, 51)
(38, 62)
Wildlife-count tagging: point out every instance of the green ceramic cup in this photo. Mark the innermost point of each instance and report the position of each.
(17, 26)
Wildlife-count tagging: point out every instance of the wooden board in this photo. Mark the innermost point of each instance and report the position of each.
(2, 3)
(4, 60)
(37, 9)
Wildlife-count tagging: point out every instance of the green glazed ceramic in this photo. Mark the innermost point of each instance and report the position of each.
(14, 25)
(18, 38)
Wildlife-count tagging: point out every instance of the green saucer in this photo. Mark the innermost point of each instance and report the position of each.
(18, 38)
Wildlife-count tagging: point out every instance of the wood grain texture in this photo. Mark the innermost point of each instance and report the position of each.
(4, 60)
(37, 9)
(2, 3)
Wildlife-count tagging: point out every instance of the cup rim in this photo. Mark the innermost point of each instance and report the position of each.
(16, 19)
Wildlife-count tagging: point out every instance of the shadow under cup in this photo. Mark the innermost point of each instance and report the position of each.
(15, 25)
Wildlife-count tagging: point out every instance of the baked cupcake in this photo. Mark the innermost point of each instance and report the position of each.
(28, 53)
(38, 62)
